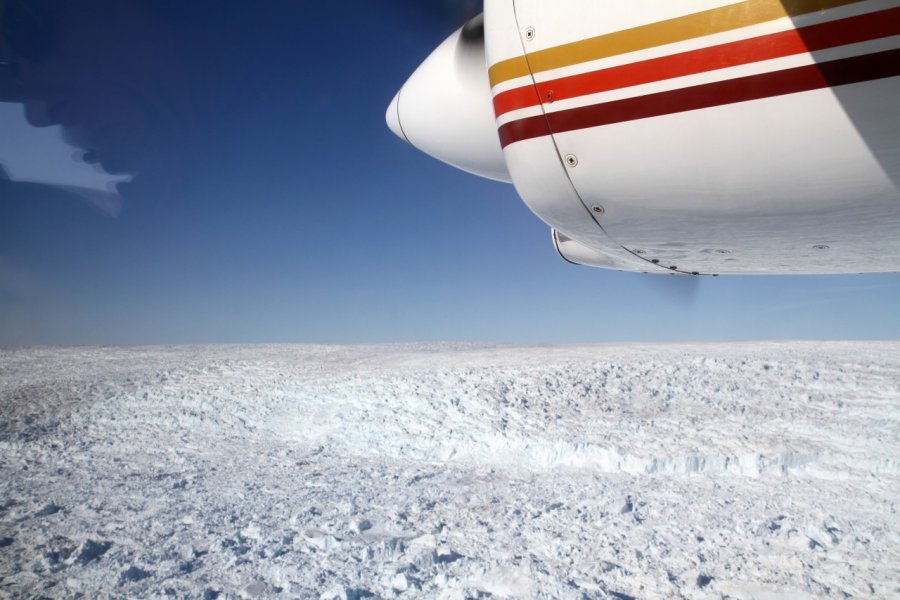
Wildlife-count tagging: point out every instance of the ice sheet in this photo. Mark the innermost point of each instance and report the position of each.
(452, 471)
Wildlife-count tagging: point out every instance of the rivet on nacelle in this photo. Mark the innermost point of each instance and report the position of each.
(821, 247)
(598, 210)
(529, 34)
(571, 160)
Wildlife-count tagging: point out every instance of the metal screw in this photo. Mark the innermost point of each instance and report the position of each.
(571, 160)
(529, 34)
(598, 210)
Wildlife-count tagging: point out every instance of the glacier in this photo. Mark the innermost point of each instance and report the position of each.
(748, 471)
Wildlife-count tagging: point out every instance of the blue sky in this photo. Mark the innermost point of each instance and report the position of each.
(356, 237)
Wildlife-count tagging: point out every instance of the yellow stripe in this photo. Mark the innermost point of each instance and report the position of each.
(679, 29)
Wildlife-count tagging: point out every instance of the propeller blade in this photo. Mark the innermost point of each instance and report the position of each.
(455, 12)
(680, 289)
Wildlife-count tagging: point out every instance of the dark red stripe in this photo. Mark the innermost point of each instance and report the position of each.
(755, 87)
(786, 43)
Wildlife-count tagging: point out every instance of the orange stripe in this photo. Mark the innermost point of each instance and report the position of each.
(679, 29)
(808, 39)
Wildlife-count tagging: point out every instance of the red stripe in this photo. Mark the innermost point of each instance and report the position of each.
(789, 81)
(795, 41)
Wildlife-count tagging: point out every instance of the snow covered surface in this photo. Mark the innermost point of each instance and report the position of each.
(765, 471)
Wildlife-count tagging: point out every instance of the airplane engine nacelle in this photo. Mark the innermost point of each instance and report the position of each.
(694, 137)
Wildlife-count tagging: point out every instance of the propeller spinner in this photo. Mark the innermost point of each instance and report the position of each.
(445, 108)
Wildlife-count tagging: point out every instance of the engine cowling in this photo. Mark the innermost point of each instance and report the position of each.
(680, 137)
